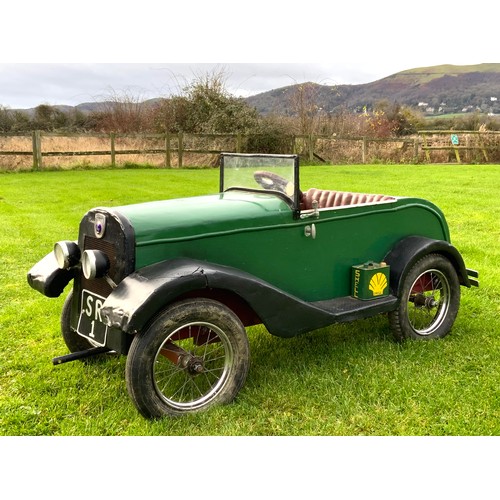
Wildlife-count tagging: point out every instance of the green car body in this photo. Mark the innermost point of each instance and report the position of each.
(266, 252)
(258, 234)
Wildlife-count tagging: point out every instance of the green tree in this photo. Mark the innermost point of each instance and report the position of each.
(42, 119)
(6, 119)
(204, 105)
(171, 115)
(78, 120)
(212, 109)
(400, 119)
(22, 122)
(271, 135)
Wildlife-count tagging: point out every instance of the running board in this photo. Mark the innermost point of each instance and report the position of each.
(349, 309)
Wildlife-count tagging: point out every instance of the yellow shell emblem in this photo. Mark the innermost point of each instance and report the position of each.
(378, 284)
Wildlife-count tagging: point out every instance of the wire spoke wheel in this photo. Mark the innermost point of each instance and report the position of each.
(429, 300)
(189, 372)
(193, 355)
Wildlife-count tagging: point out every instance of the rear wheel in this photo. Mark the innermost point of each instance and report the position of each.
(193, 355)
(429, 300)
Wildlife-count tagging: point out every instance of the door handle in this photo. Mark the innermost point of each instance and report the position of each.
(310, 231)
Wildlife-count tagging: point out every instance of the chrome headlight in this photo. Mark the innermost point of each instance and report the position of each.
(67, 254)
(95, 264)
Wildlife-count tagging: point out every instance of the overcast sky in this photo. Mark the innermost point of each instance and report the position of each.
(27, 85)
(53, 54)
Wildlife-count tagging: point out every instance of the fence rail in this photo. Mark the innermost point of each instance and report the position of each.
(461, 146)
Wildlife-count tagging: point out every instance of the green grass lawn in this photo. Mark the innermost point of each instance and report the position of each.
(349, 379)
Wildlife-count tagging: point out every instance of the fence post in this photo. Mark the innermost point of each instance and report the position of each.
(426, 147)
(311, 148)
(481, 143)
(457, 155)
(364, 152)
(113, 152)
(167, 150)
(415, 149)
(37, 150)
(180, 148)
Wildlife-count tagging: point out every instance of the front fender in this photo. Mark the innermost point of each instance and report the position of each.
(46, 277)
(143, 294)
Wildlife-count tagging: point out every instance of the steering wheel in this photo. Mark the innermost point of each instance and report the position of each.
(273, 182)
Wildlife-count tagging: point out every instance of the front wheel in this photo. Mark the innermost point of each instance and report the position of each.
(193, 355)
(429, 300)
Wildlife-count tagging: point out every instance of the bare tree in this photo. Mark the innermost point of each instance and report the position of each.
(304, 105)
(122, 112)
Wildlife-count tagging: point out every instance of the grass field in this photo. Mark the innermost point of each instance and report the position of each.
(349, 379)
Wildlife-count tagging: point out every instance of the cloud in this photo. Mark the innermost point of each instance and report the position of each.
(28, 85)
(263, 45)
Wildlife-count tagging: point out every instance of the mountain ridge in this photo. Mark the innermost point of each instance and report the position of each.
(435, 89)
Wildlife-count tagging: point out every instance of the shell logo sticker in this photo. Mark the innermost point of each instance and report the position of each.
(378, 284)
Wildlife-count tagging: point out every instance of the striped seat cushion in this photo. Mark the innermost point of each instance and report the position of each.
(328, 199)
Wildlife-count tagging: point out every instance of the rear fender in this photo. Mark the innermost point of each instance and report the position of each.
(411, 249)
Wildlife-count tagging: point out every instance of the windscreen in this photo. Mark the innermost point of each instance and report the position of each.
(260, 172)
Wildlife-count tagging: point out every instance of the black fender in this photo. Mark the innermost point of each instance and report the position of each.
(411, 249)
(143, 294)
(46, 277)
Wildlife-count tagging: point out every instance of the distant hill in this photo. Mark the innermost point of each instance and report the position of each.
(435, 89)
(87, 107)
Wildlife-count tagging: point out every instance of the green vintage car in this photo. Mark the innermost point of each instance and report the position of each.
(173, 284)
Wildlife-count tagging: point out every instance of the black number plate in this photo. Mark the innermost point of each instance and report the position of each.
(90, 324)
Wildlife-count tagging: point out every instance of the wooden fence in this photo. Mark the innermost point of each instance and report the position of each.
(452, 146)
(466, 146)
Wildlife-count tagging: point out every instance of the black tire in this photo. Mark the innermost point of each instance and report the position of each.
(73, 341)
(429, 300)
(193, 355)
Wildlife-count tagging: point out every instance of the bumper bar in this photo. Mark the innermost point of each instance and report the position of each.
(473, 276)
(94, 351)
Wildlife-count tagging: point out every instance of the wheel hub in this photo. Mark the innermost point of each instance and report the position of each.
(192, 364)
(421, 300)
